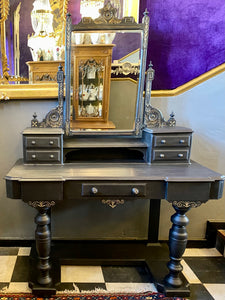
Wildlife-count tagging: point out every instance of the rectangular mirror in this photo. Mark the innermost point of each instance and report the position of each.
(105, 70)
(104, 80)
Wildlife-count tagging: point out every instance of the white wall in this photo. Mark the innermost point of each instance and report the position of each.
(16, 217)
(202, 109)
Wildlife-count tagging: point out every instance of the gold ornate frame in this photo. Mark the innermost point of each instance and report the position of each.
(28, 91)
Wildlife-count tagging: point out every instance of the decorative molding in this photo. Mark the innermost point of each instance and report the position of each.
(50, 90)
(112, 203)
(41, 204)
(125, 68)
(190, 84)
(186, 204)
(4, 10)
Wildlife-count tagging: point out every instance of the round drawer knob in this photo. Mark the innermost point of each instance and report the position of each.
(163, 141)
(51, 142)
(180, 155)
(51, 155)
(33, 142)
(135, 191)
(33, 156)
(94, 190)
(161, 155)
(181, 141)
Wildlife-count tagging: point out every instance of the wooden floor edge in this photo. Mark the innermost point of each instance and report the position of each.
(190, 84)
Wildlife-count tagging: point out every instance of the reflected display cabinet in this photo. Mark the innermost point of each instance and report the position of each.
(91, 86)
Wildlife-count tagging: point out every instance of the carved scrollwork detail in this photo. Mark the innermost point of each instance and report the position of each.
(4, 10)
(107, 15)
(146, 21)
(113, 203)
(186, 204)
(41, 204)
(125, 69)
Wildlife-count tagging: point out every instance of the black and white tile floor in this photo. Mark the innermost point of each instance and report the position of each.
(203, 268)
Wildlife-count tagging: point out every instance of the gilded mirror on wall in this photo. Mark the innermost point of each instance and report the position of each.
(32, 45)
(18, 22)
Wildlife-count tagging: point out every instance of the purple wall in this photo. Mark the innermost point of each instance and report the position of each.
(187, 39)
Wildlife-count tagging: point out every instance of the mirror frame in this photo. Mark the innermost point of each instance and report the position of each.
(107, 22)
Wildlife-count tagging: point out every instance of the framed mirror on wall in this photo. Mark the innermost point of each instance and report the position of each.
(25, 25)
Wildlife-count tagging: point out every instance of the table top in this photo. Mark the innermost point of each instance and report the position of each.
(113, 171)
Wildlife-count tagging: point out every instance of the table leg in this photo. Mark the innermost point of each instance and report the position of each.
(43, 240)
(178, 240)
(177, 245)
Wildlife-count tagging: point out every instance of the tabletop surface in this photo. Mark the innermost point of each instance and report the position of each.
(112, 171)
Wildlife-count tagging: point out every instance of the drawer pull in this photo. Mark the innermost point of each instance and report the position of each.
(181, 141)
(51, 142)
(33, 142)
(51, 156)
(135, 191)
(163, 141)
(33, 156)
(161, 155)
(94, 190)
(180, 155)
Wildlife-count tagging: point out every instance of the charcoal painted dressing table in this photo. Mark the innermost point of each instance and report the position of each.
(123, 169)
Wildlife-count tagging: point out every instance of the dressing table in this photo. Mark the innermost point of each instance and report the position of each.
(125, 170)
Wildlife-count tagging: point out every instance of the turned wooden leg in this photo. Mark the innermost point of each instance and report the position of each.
(43, 240)
(177, 245)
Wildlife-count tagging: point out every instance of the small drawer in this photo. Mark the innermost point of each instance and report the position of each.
(105, 189)
(50, 156)
(42, 142)
(167, 155)
(169, 141)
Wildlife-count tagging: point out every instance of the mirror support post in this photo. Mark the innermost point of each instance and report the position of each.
(144, 49)
(68, 71)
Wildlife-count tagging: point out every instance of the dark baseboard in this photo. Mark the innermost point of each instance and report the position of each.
(29, 243)
(211, 232)
(16, 243)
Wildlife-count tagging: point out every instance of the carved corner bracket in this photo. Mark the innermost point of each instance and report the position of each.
(54, 117)
(152, 116)
(41, 204)
(186, 204)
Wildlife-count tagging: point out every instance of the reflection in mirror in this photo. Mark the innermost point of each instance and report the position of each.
(19, 62)
(31, 31)
(105, 78)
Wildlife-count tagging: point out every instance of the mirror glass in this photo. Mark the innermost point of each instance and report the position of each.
(105, 68)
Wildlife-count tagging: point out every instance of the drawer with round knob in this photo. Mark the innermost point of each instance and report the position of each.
(42, 142)
(110, 189)
(172, 140)
(32, 156)
(171, 154)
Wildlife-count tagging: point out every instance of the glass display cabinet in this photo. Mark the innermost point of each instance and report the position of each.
(91, 86)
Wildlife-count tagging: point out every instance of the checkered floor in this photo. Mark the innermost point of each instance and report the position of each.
(203, 268)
